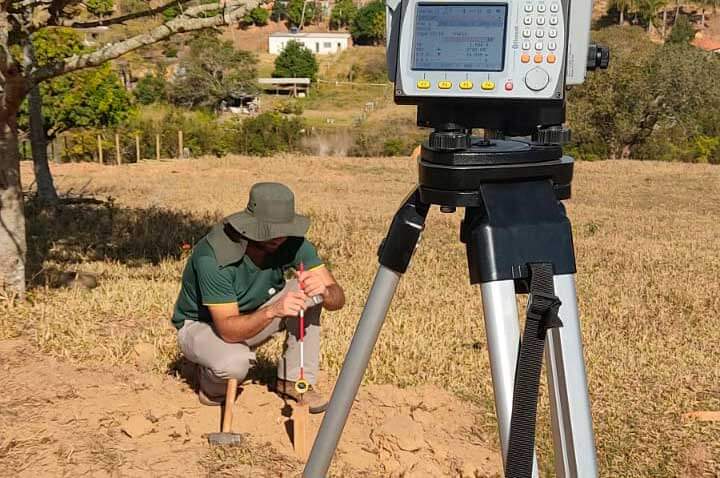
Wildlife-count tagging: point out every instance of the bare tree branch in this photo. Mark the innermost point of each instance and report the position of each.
(119, 19)
(231, 12)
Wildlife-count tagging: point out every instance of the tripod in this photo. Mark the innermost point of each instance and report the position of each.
(514, 222)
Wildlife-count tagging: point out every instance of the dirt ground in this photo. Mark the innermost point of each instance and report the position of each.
(65, 420)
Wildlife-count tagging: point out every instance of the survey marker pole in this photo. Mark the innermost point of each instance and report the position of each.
(394, 255)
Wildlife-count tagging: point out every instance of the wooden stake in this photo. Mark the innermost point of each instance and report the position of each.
(301, 426)
(65, 148)
(100, 151)
(137, 148)
(157, 147)
(180, 152)
(118, 156)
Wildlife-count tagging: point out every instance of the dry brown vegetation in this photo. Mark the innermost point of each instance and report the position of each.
(646, 236)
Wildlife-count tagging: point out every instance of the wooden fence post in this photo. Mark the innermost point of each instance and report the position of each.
(137, 148)
(100, 149)
(118, 156)
(65, 148)
(157, 147)
(180, 152)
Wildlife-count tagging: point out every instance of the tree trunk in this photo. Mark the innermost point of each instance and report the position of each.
(38, 140)
(702, 18)
(677, 11)
(664, 28)
(12, 220)
(622, 17)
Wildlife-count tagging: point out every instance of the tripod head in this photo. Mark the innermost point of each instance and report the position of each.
(500, 65)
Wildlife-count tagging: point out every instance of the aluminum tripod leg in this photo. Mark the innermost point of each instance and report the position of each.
(352, 372)
(503, 337)
(569, 401)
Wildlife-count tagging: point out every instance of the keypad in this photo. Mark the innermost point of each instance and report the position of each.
(535, 31)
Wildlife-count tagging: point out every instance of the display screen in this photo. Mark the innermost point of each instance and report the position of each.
(459, 37)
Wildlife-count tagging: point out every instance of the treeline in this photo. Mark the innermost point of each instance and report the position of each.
(659, 102)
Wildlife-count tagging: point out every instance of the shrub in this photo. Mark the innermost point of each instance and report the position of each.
(269, 133)
(295, 61)
(682, 31)
(259, 16)
(343, 13)
(289, 107)
(150, 89)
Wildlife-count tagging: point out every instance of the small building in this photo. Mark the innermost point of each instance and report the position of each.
(318, 43)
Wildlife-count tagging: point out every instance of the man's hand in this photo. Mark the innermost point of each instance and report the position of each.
(289, 305)
(312, 284)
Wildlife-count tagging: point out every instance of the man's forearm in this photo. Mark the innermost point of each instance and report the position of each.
(334, 298)
(239, 328)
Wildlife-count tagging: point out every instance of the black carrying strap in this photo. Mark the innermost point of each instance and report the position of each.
(542, 314)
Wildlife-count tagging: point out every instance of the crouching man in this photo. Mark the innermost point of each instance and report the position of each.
(235, 296)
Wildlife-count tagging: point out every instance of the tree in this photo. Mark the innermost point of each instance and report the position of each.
(84, 99)
(150, 89)
(342, 15)
(213, 71)
(19, 74)
(368, 26)
(295, 61)
(259, 16)
(623, 6)
(682, 32)
(652, 102)
(301, 12)
(648, 10)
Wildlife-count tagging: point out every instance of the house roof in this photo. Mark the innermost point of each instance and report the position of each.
(707, 44)
(309, 35)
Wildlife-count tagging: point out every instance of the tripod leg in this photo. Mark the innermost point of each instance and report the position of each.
(503, 338)
(569, 401)
(395, 255)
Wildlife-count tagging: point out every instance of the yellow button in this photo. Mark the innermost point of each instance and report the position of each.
(466, 85)
(525, 58)
(445, 85)
(423, 84)
(538, 59)
(551, 58)
(487, 85)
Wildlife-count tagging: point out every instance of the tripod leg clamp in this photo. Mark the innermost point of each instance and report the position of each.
(397, 248)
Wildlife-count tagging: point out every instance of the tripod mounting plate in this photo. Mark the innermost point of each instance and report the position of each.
(453, 178)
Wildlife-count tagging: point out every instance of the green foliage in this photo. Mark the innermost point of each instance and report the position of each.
(270, 133)
(682, 32)
(652, 103)
(259, 16)
(213, 71)
(342, 15)
(289, 107)
(99, 7)
(295, 61)
(368, 26)
(150, 89)
(87, 98)
(294, 12)
(170, 13)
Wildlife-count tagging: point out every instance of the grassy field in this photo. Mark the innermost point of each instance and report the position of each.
(646, 236)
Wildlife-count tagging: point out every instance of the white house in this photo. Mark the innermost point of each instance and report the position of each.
(318, 43)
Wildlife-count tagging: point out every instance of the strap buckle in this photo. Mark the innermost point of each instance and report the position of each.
(544, 310)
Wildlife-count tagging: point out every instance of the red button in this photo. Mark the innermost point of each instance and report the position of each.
(508, 85)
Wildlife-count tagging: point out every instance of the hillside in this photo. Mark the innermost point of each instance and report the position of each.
(646, 243)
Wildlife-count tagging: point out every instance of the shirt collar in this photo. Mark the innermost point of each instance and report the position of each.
(226, 250)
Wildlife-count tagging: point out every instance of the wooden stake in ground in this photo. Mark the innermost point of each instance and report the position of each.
(100, 152)
(118, 156)
(180, 152)
(301, 426)
(157, 147)
(137, 148)
(230, 395)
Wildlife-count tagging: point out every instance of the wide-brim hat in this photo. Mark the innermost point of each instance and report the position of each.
(270, 214)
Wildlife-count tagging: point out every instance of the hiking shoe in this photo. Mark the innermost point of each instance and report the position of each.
(313, 397)
(210, 401)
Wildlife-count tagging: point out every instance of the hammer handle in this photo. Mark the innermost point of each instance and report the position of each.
(229, 401)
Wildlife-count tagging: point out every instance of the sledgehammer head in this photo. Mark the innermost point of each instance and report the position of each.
(225, 439)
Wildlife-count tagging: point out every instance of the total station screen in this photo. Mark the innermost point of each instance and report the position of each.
(459, 37)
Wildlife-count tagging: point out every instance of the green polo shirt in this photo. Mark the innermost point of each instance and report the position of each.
(230, 276)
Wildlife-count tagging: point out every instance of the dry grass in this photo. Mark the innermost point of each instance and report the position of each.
(646, 239)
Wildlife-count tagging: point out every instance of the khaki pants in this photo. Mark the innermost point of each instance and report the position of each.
(220, 360)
